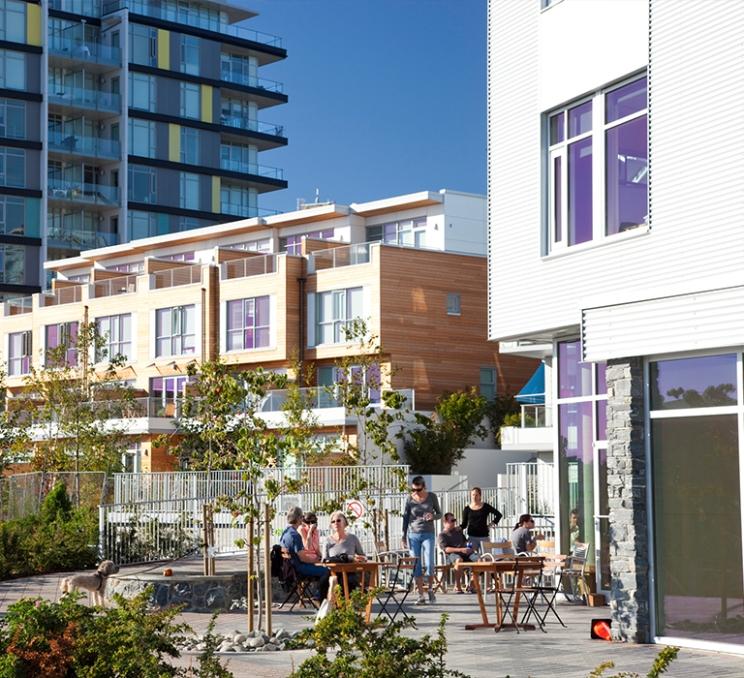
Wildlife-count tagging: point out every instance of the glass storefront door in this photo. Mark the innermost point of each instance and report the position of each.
(697, 417)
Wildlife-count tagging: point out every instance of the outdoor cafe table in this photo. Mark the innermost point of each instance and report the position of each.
(496, 568)
(368, 575)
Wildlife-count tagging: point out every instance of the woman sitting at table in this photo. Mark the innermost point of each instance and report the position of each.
(308, 530)
(342, 543)
(523, 541)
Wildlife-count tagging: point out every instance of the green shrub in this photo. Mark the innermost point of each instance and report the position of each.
(58, 538)
(40, 639)
(374, 650)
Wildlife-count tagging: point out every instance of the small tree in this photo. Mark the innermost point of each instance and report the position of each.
(439, 442)
(74, 410)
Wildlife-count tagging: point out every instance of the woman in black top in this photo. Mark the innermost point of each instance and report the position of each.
(475, 519)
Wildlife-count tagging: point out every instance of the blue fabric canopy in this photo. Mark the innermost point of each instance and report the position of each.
(533, 392)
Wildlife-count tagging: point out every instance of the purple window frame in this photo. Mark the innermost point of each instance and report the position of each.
(248, 323)
(292, 244)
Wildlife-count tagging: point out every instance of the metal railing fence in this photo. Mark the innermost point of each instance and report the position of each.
(530, 488)
(22, 494)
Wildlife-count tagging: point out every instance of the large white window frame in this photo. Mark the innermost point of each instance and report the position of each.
(175, 331)
(557, 157)
(335, 310)
(116, 332)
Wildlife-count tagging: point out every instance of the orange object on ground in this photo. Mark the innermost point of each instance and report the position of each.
(601, 629)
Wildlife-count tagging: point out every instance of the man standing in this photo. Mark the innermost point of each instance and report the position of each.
(452, 541)
(302, 559)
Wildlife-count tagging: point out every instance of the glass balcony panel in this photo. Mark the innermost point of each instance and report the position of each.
(95, 194)
(244, 122)
(83, 145)
(251, 168)
(84, 50)
(84, 7)
(239, 78)
(86, 98)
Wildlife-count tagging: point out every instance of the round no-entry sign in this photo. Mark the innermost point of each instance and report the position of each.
(355, 507)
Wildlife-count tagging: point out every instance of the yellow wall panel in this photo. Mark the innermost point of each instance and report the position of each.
(206, 103)
(33, 25)
(174, 142)
(215, 194)
(163, 49)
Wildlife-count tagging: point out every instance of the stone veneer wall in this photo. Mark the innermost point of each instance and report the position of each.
(626, 479)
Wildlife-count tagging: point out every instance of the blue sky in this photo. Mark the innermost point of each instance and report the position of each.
(385, 97)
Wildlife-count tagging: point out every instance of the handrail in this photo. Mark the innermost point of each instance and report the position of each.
(336, 257)
(126, 284)
(63, 295)
(173, 277)
(250, 266)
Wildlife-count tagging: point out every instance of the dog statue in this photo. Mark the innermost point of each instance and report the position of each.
(94, 584)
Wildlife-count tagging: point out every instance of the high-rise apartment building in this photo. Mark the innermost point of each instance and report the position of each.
(123, 119)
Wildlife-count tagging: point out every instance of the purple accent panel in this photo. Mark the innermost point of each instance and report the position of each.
(556, 128)
(708, 381)
(373, 381)
(557, 198)
(574, 377)
(234, 314)
(25, 364)
(52, 336)
(601, 378)
(601, 420)
(248, 338)
(580, 192)
(627, 175)
(156, 386)
(262, 310)
(580, 119)
(250, 312)
(390, 233)
(575, 431)
(626, 100)
(73, 333)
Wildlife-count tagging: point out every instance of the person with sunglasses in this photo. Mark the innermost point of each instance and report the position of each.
(419, 514)
(308, 530)
(342, 546)
(303, 562)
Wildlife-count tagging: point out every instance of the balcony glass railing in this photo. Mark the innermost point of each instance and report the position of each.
(84, 50)
(251, 168)
(168, 10)
(18, 306)
(321, 397)
(349, 255)
(84, 7)
(112, 287)
(63, 295)
(244, 268)
(84, 145)
(239, 78)
(91, 99)
(243, 122)
(92, 194)
(80, 238)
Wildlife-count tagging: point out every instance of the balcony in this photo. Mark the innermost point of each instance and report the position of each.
(175, 277)
(534, 432)
(79, 50)
(79, 192)
(336, 257)
(238, 77)
(78, 144)
(83, 7)
(320, 398)
(243, 122)
(63, 295)
(18, 306)
(126, 284)
(80, 238)
(250, 266)
(88, 99)
(250, 168)
(180, 15)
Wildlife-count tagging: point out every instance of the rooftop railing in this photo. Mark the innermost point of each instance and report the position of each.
(84, 7)
(242, 122)
(182, 15)
(127, 284)
(63, 295)
(244, 268)
(93, 194)
(83, 50)
(80, 144)
(17, 306)
(80, 238)
(349, 255)
(82, 97)
(173, 277)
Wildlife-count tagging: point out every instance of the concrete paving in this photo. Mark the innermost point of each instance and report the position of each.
(559, 653)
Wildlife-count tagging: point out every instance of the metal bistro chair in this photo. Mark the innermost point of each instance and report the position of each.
(396, 585)
(520, 585)
(572, 582)
(547, 588)
(295, 584)
(495, 550)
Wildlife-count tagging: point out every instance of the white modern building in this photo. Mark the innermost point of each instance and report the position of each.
(616, 200)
